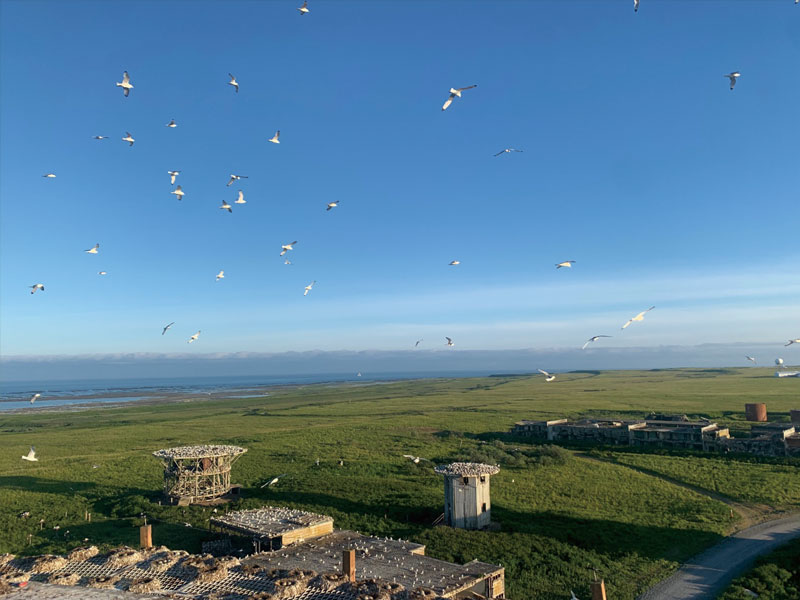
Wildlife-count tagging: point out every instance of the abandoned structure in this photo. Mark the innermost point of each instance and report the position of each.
(326, 565)
(199, 474)
(768, 439)
(467, 503)
(756, 412)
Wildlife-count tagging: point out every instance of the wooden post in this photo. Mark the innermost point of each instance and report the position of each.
(349, 564)
(146, 536)
(598, 590)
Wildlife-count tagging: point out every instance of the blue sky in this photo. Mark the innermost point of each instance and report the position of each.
(639, 163)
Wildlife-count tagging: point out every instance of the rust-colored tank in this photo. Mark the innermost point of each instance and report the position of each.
(756, 412)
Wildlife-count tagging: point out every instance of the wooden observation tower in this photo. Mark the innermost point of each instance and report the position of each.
(198, 474)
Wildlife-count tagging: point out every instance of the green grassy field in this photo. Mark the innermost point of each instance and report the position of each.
(562, 514)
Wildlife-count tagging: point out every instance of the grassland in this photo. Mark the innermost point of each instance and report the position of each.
(562, 513)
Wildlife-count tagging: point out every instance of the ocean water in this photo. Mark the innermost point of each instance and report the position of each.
(15, 395)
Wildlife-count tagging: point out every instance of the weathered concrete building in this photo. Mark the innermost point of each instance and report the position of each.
(467, 501)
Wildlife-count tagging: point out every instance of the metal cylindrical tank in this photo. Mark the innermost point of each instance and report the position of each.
(756, 412)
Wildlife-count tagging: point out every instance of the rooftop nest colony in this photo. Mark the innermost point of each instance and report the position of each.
(203, 451)
(467, 469)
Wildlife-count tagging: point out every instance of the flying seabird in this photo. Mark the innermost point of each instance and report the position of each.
(286, 247)
(233, 82)
(418, 342)
(449, 341)
(226, 206)
(49, 175)
(31, 455)
(732, 77)
(93, 250)
(286, 261)
(220, 275)
(639, 317)
(163, 331)
(594, 338)
(331, 205)
(235, 178)
(178, 191)
(100, 137)
(454, 263)
(453, 93)
(172, 176)
(35, 397)
(102, 272)
(635, 5)
(274, 139)
(274, 480)
(507, 150)
(794, 341)
(571, 593)
(128, 138)
(240, 199)
(414, 459)
(752, 359)
(303, 9)
(126, 84)
(566, 263)
(194, 337)
(547, 376)
(37, 286)
(308, 288)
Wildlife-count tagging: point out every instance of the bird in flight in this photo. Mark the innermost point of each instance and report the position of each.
(37, 286)
(418, 342)
(236, 178)
(639, 317)
(635, 9)
(286, 247)
(752, 359)
(566, 263)
(49, 175)
(125, 84)
(102, 272)
(274, 480)
(233, 82)
(794, 341)
(286, 261)
(128, 138)
(240, 199)
(455, 93)
(172, 176)
(507, 150)
(571, 593)
(733, 76)
(454, 263)
(226, 206)
(414, 459)
(93, 250)
(594, 338)
(163, 331)
(172, 124)
(274, 139)
(303, 9)
(547, 376)
(100, 137)
(194, 337)
(31, 457)
(178, 191)
(220, 275)
(449, 341)
(308, 288)
(35, 397)
(331, 205)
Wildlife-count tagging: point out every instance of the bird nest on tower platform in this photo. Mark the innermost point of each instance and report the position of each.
(199, 474)
(466, 469)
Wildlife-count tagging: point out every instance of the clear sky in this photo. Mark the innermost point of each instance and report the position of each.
(639, 163)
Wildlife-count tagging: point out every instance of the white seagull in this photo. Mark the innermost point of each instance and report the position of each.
(100, 137)
(178, 191)
(454, 263)
(286, 261)
(794, 341)
(236, 178)
(639, 317)
(240, 199)
(172, 124)
(286, 247)
(274, 139)
(449, 341)
(163, 331)
(172, 176)
(102, 272)
(453, 93)
(93, 250)
(37, 286)
(233, 82)
(594, 338)
(226, 206)
(566, 263)
(572, 595)
(331, 205)
(752, 359)
(507, 150)
(35, 397)
(220, 275)
(49, 175)
(128, 138)
(274, 480)
(126, 84)
(308, 288)
(414, 459)
(547, 376)
(732, 77)
(635, 9)
(194, 337)
(303, 9)
(31, 455)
